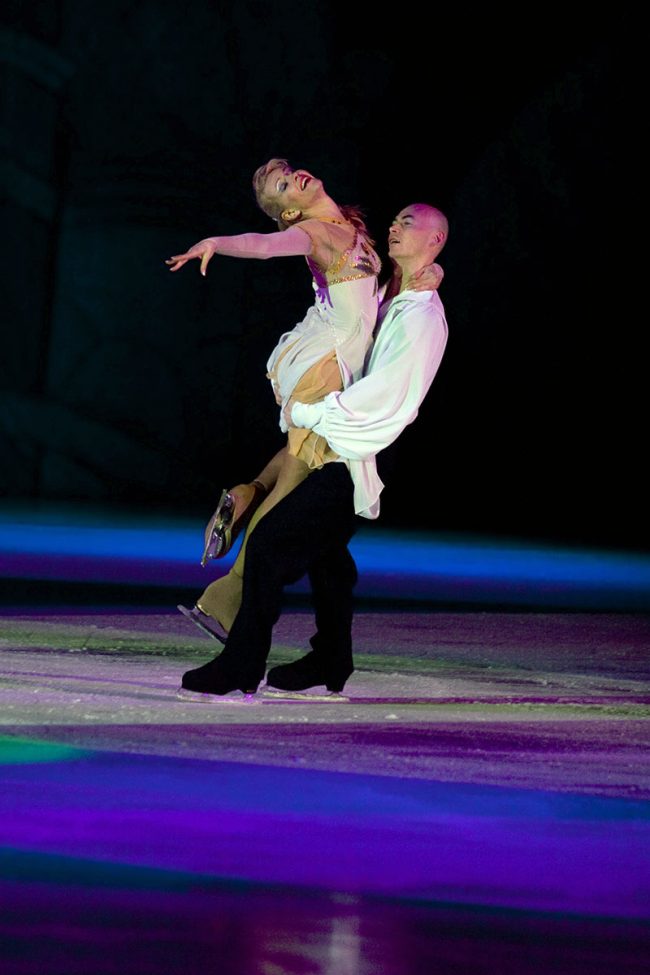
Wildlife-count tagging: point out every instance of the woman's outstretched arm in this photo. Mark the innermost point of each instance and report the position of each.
(285, 243)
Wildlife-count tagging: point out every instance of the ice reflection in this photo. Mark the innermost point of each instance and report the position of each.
(100, 919)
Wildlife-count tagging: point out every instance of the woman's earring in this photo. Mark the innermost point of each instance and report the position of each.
(290, 216)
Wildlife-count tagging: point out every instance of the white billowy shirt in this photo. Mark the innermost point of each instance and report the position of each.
(367, 416)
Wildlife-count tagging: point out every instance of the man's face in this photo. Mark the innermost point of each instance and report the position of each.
(410, 233)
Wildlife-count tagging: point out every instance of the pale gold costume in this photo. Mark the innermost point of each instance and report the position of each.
(326, 351)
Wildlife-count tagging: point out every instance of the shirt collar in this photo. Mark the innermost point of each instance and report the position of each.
(408, 295)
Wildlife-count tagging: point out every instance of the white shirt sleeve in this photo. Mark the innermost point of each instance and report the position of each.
(371, 413)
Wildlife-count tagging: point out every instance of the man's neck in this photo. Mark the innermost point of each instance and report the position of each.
(407, 268)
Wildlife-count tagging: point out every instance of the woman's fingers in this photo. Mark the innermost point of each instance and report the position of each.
(178, 260)
(176, 263)
(428, 278)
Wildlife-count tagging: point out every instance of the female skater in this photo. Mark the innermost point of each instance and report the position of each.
(322, 354)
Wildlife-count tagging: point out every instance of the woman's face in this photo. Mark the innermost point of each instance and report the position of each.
(292, 189)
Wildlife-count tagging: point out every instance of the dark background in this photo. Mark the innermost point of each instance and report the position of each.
(132, 130)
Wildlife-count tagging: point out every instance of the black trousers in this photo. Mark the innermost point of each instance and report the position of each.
(306, 532)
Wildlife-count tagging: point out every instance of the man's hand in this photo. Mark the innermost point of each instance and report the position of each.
(204, 250)
(429, 278)
(286, 413)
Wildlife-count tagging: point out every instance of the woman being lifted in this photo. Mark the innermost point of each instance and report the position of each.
(323, 353)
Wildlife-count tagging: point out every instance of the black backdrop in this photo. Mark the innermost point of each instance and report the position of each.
(132, 130)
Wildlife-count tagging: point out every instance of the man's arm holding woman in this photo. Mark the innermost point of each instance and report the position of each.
(371, 413)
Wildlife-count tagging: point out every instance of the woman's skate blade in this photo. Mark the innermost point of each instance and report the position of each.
(221, 521)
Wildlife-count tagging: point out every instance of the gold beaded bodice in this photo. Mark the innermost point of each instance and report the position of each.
(359, 260)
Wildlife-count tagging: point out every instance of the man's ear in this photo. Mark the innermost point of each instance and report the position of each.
(290, 216)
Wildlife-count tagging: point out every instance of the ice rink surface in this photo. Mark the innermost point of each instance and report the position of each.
(479, 801)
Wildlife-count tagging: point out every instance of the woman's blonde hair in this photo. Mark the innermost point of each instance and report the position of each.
(273, 208)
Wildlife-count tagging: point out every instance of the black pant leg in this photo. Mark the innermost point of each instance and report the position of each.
(333, 577)
(315, 519)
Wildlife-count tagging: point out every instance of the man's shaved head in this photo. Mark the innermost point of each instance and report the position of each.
(417, 235)
(435, 218)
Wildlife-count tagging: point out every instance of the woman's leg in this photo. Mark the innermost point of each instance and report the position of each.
(292, 472)
(306, 451)
(222, 598)
(235, 509)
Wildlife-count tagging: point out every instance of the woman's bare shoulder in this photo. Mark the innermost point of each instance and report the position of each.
(329, 240)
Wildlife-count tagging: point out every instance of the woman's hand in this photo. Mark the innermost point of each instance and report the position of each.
(429, 278)
(204, 250)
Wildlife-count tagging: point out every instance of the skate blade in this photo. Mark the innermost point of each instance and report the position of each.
(308, 696)
(214, 546)
(221, 522)
(200, 697)
(220, 637)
